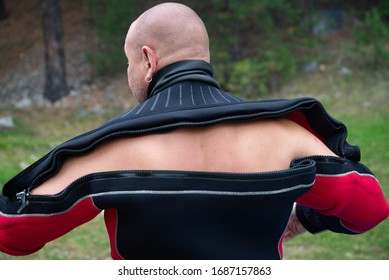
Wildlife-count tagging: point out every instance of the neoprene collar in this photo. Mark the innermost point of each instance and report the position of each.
(186, 70)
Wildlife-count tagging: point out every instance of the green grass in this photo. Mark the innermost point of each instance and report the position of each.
(361, 103)
(38, 131)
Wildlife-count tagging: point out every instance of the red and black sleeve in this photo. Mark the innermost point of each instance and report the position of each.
(26, 233)
(346, 197)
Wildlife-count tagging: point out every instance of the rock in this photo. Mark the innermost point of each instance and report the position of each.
(344, 71)
(311, 67)
(328, 21)
(6, 122)
(25, 102)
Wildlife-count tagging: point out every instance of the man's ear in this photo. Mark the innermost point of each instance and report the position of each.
(150, 60)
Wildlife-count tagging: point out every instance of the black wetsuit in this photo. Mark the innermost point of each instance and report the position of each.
(157, 214)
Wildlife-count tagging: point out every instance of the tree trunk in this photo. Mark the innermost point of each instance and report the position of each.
(55, 74)
(3, 10)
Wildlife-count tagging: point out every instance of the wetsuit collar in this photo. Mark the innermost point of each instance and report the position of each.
(184, 70)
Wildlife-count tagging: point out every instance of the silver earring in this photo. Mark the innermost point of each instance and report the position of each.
(148, 80)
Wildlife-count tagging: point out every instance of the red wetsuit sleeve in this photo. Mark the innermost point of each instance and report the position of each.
(23, 234)
(346, 197)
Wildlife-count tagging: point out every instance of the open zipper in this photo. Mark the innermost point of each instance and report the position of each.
(301, 167)
(23, 195)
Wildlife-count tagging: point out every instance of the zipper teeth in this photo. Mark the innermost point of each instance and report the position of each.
(298, 161)
(253, 116)
(210, 175)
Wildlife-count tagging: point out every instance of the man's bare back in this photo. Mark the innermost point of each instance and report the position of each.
(256, 146)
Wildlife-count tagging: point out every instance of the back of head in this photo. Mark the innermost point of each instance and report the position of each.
(174, 31)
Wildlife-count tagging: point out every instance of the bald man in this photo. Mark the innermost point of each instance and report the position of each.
(193, 172)
(153, 42)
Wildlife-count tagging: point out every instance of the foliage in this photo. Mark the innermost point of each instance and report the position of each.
(111, 19)
(372, 39)
(259, 35)
(383, 7)
(255, 77)
(254, 46)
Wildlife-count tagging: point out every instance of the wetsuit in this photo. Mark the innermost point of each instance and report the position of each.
(157, 214)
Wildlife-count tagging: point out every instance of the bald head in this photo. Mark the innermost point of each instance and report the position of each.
(173, 30)
(162, 35)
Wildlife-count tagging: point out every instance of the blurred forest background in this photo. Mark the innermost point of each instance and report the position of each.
(257, 46)
(336, 51)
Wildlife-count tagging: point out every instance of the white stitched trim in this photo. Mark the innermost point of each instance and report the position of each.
(51, 214)
(348, 173)
(204, 192)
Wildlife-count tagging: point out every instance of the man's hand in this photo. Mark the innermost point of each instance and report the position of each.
(294, 227)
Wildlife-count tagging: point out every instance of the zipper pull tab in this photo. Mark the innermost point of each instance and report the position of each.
(22, 196)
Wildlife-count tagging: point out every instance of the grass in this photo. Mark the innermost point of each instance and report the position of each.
(39, 130)
(359, 100)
